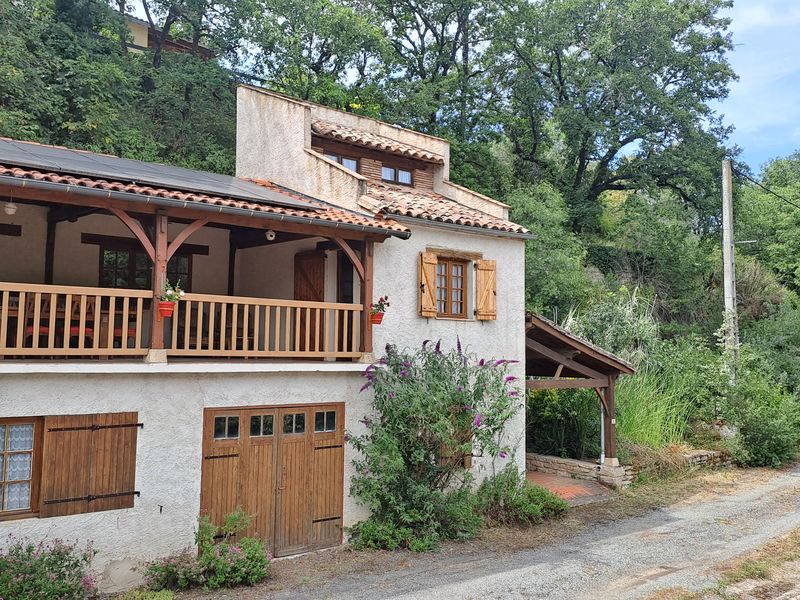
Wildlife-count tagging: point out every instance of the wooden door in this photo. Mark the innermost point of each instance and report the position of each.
(292, 525)
(284, 466)
(309, 285)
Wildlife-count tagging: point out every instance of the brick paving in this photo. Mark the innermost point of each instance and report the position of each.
(574, 491)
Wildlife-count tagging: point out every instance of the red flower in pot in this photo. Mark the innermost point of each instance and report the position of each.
(168, 298)
(377, 309)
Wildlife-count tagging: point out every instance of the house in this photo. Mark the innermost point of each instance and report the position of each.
(144, 36)
(121, 425)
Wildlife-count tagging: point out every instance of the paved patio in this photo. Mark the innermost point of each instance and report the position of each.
(574, 491)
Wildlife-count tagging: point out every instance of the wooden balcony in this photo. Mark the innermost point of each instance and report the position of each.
(64, 322)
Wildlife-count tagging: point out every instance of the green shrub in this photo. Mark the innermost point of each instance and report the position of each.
(146, 595)
(434, 410)
(508, 499)
(563, 423)
(46, 571)
(214, 565)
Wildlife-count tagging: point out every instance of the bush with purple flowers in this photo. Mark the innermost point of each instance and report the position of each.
(47, 570)
(434, 411)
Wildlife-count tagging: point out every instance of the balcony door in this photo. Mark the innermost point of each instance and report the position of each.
(309, 285)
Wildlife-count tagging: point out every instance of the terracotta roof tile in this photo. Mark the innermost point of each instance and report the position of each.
(317, 210)
(421, 204)
(359, 137)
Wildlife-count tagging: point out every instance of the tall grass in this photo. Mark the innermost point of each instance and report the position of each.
(652, 409)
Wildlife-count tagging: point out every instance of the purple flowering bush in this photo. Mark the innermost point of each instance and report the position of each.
(434, 411)
(47, 570)
(216, 564)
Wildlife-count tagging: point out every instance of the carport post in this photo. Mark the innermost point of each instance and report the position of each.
(610, 424)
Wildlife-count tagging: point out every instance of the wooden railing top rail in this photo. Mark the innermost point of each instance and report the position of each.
(270, 302)
(74, 290)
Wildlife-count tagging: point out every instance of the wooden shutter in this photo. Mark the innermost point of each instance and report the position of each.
(427, 284)
(89, 463)
(486, 290)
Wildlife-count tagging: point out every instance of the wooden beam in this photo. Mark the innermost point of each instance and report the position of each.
(564, 384)
(68, 213)
(367, 256)
(159, 279)
(560, 359)
(137, 230)
(232, 248)
(183, 236)
(117, 242)
(610, 418)
(50, 251)
(348, 250)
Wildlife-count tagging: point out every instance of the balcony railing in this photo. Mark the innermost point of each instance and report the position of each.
(46, 320)
(218, 326)
(65, 321)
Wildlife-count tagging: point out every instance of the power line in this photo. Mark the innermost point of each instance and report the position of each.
(765, 188)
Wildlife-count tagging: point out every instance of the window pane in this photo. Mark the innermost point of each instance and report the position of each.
(330, 421)
(404, 176)
(19, 466)
(17, 496)
(350, 164)
(20, 437)
(332, 157)
(319, 421)
(288, 422)
(387, 173)
(2, 441)
(299, 423)
(255, 426)
(219, 427)
(233, 427)
(142, 261)
(266, 426)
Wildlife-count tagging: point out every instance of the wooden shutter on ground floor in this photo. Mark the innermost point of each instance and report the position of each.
(427, 284)
(485, 290)
(89, 463)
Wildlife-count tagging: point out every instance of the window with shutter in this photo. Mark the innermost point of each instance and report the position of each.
(427, 284)
(88, 463)
(20, 450)
(485, 290)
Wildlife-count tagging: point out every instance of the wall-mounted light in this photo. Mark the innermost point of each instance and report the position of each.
(10, 208)
(270, 235)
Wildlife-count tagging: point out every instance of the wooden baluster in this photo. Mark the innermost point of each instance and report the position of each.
(317, 327)
(327, 329)
(256, 327)
(297, 322)
(267, 320)
(67, 320)
(96, 319)
(82, 323)
(245, 325)
(287, 344)
(21, 318)
(37, 315)
(307, 347)
(335, 341)
(4, 308)
(187, 324)
(211, 317)
(198, 343)
(176, 315)
(345, 316)
(112, 319)
(234, 328)
(138, 323)
(51, 322)
(223, 316)
(354, 341)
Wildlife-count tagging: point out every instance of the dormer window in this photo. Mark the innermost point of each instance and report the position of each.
(394, 175)
(348, 163)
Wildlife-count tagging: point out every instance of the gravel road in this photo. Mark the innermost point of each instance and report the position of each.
(629, 558)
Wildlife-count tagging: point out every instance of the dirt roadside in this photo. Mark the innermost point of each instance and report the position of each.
(667, 535)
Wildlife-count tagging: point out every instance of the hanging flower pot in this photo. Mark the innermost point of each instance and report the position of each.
(166, 308)
(377, 309)
(376, 318)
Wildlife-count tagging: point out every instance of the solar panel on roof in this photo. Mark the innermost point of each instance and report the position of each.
(90, 164)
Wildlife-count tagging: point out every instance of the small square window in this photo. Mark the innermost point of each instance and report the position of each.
(387, 174)
(261, 425)
(325, 421)
(226, 428)
(295, 423)
(350, 164)
(404, 177)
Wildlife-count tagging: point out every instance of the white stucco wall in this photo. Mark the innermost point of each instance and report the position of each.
(170, 403)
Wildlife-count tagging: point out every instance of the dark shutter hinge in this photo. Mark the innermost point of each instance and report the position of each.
(96, 427)
(92, 497)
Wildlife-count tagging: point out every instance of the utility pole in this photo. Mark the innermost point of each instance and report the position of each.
(728, 266)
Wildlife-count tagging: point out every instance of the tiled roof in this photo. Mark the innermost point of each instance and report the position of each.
(317, 210)
(411, 202)
(359, 137)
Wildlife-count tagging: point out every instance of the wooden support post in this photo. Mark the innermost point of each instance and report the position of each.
(232, 249)
(610, 423)
(366, 296)
(50, 251)
(159, 279)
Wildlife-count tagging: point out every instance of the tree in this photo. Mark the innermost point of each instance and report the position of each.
(614, 95)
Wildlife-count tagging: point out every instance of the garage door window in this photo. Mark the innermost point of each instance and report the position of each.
(294, 423)
(226, 428)
(261, 425)
(325, 421)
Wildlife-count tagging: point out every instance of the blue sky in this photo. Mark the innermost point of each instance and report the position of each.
(764, 105)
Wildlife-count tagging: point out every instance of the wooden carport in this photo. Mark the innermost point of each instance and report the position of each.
(557, 359)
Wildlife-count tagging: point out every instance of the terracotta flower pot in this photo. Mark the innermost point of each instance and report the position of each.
(376, 318)
(165, 308)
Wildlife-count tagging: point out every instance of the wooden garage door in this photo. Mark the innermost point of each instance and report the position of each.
(284, 466)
